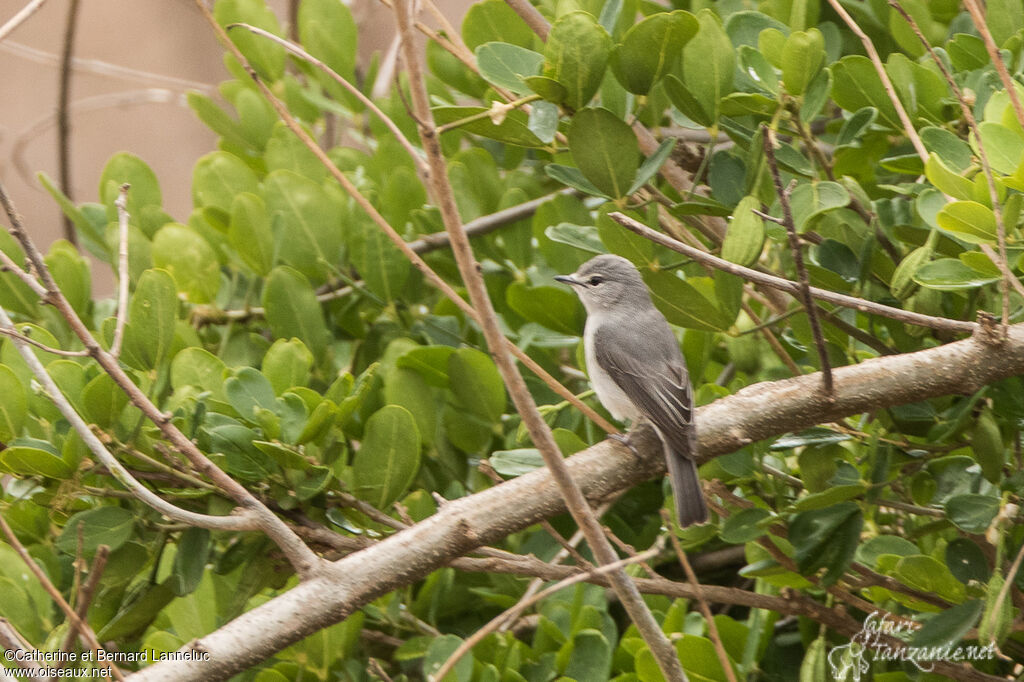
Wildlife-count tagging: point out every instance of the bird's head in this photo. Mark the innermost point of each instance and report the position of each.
(607, 281)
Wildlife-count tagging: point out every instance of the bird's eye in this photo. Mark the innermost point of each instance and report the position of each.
(595, 280)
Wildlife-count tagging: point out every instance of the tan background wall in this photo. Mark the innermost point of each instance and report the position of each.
(135, 60)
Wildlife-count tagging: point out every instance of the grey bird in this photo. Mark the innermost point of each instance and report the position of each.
(637, 371)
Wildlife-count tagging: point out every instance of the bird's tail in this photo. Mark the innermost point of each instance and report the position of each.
(690, 505)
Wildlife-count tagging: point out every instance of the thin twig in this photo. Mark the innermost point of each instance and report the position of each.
(86, 593)
(379, 220)
(1001, 261)
(869, 47)
(87, 633)
(399, 136)
(1011, 577)
(18, 19)
(978, 17)
(798, 261)
(860, 304)
(122, 270)
(716, 638)
(441, 190)
(63, 120)
(514, 612)
(532, 16)
(14, 334)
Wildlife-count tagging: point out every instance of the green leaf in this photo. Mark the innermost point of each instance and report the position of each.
(476, 383)
(13, 407)
(152, 316)
(241, 458)
(966, 561)
(512, 463)
(513, 128)
(650, 167)
(249, 232)
(430, 361)
(709, 63)
(543, 121)
(307, 223)
(285, 151)
(950, 626)
(575, 56)
(71, 273)
(248, 391)
(621, 241)
(827, 538)
(553, 307)
(507, 65)
(929, 575)
(946, 180)
(388, 457)
(591, 656)
(440, 649)
(950, 274)
(200, 368)
(567, 175)
(869, 552)
(328, 32)
(190, 260)
(855, 85)
(971, 512)
(218, 177)
(90, 233)
(383, 267)
(744, 526)
(144, 191)
(686, 102)
(292, 310)
(583, 237)
(266, 57)
(1003, 147)
(744, 239)
(802, 57)
(287, 364)
(407, 388)
(111, 526)
(493, 20)
(683, 304)
(811, 199)
(28, 461)
(190, 560)
(1004, 19)
(605, 149)
(951, 149)
(650, 48)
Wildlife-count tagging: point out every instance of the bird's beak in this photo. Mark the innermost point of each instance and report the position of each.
(568, 279)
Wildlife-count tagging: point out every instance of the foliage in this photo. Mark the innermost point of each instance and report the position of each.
(284, 334)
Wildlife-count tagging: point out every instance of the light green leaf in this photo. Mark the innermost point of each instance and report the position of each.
(575, 56)
(476, 383)
(950, 274)
(28, 461)
(383, 267)
(200, 368)
(969, 221)
(553, 307)
(307, 223)
(328, 32)
(292, 309)
(802, 57)
(1003, 147)
(512, 463)
(507, 65)
(111, 526)
(287, 364)
(709, 62)
(583, 237)
(605, 149)
(855, 85)
(493, 20)
(190, 260)
(152, 315)
(811, 199)
(388, 457)
(513, 128)
(13, 407)
(745, 236)
(218, 177)
(650, 48)
(249, 232)
(267, 57)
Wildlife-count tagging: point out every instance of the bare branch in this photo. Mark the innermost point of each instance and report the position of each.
(532, 16)
(798, 259)
(18, 19)
(792, 287)
(63, 120)
(978, 17)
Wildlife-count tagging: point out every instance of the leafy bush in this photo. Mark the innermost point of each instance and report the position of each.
(283, 357)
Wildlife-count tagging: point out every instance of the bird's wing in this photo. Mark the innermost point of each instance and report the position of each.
(659, 386)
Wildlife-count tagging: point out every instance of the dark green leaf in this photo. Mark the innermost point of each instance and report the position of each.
(575, 56)
(650, 48)
(111, 526)
(388, 457)
(605, 149)
(292, 309)
(972, 513)
(827, 538)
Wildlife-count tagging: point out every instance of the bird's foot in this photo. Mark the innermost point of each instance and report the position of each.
(625, 440)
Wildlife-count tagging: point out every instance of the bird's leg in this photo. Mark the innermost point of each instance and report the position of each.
(624, 438)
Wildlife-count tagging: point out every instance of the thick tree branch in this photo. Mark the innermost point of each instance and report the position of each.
(755, 413)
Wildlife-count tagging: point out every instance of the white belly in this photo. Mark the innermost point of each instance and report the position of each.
(608, 392)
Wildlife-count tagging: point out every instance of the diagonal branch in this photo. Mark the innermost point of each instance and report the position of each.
(861, 304)
(755, 413)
